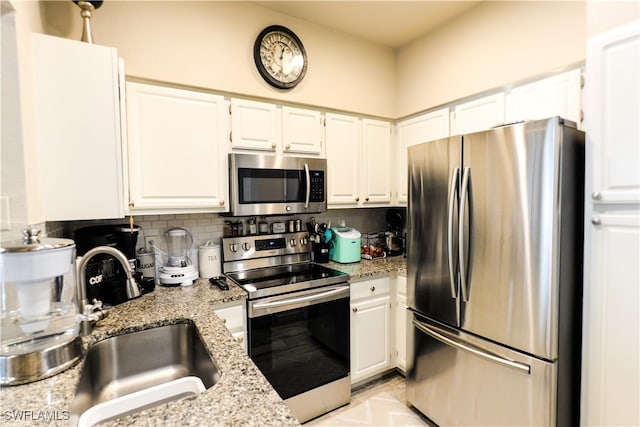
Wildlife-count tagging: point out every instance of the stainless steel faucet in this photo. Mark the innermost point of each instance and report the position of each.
(92, 312)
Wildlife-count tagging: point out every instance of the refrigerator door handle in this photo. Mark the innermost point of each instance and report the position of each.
(472, 349)
(465, 198)
(453, 195)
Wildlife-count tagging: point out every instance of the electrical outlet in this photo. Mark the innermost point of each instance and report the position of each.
(148, 242)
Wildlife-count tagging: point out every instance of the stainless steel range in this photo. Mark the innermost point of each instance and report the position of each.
(298, 319)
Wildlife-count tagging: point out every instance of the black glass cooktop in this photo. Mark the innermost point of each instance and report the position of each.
(268, 281)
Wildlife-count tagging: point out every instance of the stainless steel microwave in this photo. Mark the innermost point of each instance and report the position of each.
(274, 185)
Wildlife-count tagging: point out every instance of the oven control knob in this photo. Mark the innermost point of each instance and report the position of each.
(233, 247)
(293, 243)
(304, 241)
(246, 246)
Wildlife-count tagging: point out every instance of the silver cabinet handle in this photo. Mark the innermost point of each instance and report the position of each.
(357, 199)
(273, 146)
(471, 349)
(288, 147)
(366, 199)
(596, 221)
(596, 195)
(355, 309)
(221, 202)
(372, 289)
(453, 194)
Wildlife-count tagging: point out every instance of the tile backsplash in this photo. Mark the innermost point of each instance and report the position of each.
(205, 227)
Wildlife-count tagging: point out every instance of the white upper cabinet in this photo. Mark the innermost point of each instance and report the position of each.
(302, 131)
(478, 115)
(77, 125)
(612, 91)
(176, 154)
(425, 127)
(358, 161)
(254, 125)
(376, 162)
(342, 134)
(554, 96)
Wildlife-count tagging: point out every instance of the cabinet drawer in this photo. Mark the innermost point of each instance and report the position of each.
(233, 317)
(370, 288)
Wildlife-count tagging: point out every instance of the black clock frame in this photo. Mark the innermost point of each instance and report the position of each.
(260, 66)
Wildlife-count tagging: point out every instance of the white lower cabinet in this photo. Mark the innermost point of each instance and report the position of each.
(370, 324)
(400, 307)
(234, 317)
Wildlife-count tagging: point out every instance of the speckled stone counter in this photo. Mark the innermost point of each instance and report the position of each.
(370, 268)
(242, 397)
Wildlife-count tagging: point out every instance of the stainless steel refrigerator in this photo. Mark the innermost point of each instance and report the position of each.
(494, 258)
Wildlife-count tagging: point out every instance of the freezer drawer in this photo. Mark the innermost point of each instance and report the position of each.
(457, 379)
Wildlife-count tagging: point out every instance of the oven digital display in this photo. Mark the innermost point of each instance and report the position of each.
(269, 244)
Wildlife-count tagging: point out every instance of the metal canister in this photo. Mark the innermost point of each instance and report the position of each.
(298, 225)
(291, 226)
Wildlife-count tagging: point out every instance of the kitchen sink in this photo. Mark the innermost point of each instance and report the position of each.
(135, 371)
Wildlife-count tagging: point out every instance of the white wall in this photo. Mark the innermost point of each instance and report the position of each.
(19, 184)
(493, 44)
(209, 44)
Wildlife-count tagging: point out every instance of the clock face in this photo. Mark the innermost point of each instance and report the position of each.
(280, 57)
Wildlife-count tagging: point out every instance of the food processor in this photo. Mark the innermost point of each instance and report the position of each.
(176, 267)
(39, 314)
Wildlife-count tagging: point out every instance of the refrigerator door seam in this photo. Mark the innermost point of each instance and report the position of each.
(464, 267)
(471, 349)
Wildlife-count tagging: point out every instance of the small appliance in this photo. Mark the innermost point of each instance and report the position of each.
(393, 235)
(39, 316)
(344, 246)
(104, 275)
(276, 185)
(177, 269)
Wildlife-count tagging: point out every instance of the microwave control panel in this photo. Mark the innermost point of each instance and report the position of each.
(317, 186)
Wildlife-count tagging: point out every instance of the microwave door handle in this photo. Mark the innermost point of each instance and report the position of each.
(308, 175)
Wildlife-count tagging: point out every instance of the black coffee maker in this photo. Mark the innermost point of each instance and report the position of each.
(105, 277)
(394, 241)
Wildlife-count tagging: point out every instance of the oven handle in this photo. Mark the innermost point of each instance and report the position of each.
(258, 309)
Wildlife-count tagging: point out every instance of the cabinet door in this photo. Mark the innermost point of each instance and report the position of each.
(342, 137)
(302, 131)
(612, 100)
(401, 331)
(376, 162)
(77, 126)
(370, 341)
(554, 96)
(425, 127)
(479, 114)
(176, 159)
(611, 334)
(254, 125)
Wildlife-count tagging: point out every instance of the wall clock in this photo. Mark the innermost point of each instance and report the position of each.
(280, 57)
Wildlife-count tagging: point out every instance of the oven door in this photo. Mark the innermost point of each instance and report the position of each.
(300, 341)
(268, 185)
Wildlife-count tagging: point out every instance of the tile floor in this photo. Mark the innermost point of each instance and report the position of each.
(381, 402)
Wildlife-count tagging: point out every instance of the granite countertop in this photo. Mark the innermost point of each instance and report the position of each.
(374, 267)
(243, 396)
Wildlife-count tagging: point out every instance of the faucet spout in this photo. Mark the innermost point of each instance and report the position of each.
(132, 288)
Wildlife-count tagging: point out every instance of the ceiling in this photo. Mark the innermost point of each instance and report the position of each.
(388, 23)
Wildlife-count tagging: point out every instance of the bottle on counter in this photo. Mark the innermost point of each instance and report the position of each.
(263, 226)
(252, 227)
